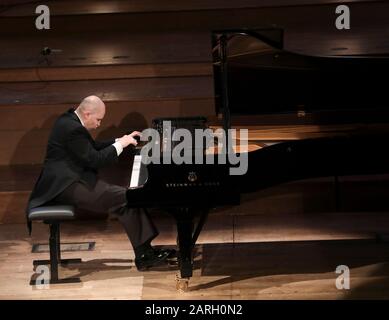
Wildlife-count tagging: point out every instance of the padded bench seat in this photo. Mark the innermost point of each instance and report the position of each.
(54, 215)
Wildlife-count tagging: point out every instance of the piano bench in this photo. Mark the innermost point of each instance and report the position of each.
(53, 216)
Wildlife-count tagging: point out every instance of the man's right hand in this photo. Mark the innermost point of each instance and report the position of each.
(128, 139)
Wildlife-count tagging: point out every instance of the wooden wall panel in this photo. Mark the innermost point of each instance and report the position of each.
(109, 90)
(104, 48)
(132, 38)
(316, 17)
(13, 207)
(25, 128)
(105, 72)
(70, 7)
(18, 178)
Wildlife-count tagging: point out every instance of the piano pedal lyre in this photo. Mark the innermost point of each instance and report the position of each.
(182, 284)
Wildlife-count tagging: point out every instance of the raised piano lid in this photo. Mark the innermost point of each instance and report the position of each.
(277, 86)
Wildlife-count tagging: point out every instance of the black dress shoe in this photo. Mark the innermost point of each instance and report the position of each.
(150, 259)
(171, 253)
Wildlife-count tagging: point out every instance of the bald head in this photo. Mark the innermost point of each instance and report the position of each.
(91, 110)
(91, 104)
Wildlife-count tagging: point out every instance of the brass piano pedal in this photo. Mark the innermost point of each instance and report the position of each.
(182, 284)
(172, 263)
(172, 259)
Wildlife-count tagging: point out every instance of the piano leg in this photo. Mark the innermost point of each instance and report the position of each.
(200, 224)
(184, 218)
(186, 240)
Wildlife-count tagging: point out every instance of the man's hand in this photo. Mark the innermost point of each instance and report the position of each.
(128, 139)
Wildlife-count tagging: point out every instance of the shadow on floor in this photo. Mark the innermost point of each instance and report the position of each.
(310, 259)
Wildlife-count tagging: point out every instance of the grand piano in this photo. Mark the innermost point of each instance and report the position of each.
(335, 108)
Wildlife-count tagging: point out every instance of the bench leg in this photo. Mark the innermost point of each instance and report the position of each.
(58, 241)
(55, 258)
(54, 228)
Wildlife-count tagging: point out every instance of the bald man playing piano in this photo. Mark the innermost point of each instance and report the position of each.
(70, 177)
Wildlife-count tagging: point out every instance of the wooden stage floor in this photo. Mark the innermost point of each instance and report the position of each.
(292, 256)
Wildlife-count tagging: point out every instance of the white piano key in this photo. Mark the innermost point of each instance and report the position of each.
(136, 171)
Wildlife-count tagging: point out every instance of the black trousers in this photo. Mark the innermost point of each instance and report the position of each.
(110, 198)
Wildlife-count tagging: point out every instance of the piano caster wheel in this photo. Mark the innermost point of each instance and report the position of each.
(182, 284)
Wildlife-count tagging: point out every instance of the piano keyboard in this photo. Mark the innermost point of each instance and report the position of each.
(136, 171)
